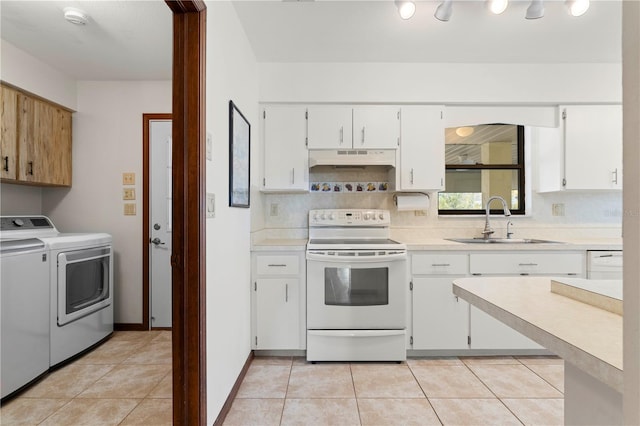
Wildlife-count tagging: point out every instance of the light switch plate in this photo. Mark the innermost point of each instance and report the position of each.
(129, 209)
(128, 178)
(209, 146)
(211, 205)
(128, 194)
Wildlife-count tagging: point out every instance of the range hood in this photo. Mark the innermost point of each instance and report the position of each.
(352, 157)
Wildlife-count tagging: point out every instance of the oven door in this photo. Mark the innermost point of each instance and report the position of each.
(85, 282)
(356, 292)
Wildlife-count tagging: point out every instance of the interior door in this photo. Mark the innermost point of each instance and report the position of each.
(160, 223)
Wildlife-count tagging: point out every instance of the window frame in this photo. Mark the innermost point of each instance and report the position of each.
(520, 166)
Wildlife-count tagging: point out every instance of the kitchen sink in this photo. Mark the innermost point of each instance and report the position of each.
(502, 241)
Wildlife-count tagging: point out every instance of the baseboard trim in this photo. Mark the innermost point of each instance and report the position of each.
(161, 328)
(123, 326)
(234, 391)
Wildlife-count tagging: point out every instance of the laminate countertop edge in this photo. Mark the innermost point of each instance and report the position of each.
(593, 346)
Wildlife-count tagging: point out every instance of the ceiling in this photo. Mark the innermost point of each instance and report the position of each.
(131, 40)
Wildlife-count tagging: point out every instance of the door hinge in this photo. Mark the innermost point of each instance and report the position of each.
(411, 285)
(264, 181)
(264, 113)
(256, 341)
(411, 340)
(468, 340)
(398, 114)
(564, 114)
(306, 114)
(306, 141)
(564, 182)
(255, 286)
(441, 115)
(398, 140)
(44, 257)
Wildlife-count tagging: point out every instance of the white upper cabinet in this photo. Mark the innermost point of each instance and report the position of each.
(585, 153)
(376, 127)
(286, 161)
(359, 127)
(329, 127)
(422, 144)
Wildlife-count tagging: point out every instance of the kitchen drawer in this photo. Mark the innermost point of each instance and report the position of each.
(439, 264)
(278, 265)
(527, 263)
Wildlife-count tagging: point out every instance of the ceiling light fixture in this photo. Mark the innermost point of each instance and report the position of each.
(463, 132)
(406, 9)
(75, 16)
(497, 6)
(443, 12)
(577, 7)
(535, 10)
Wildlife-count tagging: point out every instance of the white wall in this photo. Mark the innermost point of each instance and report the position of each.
(20, 199)
(231, 74)
(107, 141)
(28, 73)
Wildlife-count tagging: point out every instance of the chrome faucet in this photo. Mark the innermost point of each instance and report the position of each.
(487, 226)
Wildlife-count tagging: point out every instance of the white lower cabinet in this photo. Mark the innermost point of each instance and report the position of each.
(278, 301)
(277, 313)
(487, 332)
(440, 319)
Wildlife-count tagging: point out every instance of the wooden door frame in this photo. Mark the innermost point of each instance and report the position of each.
(146, 212)
(188, 259)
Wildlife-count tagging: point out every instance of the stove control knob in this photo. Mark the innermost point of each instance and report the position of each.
(367, 216)
(381, 216)
(332, 216)
(18, 222)
(315, 217)
(323, 216)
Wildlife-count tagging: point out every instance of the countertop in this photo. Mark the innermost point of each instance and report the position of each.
(441, 244)
(588, 337)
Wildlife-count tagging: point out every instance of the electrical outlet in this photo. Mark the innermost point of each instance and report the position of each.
(557, 209)
(128, 194)
(273, 209)
(128, 178)
(420, 212)
(211, 205)
(129, 209)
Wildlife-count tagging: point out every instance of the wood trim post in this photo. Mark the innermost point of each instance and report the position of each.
(188, 260)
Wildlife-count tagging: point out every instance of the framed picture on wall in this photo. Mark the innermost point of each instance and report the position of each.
(239, 153)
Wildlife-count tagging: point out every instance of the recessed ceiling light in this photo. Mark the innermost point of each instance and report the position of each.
(75, 16)
(463, 132)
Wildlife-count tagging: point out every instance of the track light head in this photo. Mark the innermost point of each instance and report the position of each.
(497, 6)
(577, 7)
(443, 12)
(406, 9)
(535, 10)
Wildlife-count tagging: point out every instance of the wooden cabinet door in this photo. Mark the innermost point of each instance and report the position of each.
(376, 127)
(44, 142)
(8, 133)
(422, 165)
(329, 127)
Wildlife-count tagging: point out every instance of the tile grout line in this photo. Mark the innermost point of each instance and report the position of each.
(545, 380)
(494, 394)
(286, 391)
(355, 395)
(425, 393)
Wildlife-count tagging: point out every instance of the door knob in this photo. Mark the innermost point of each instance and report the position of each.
(157, 241)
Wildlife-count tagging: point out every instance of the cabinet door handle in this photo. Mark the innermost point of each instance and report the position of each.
(341, 134)
(276, 265)
(30, 172)
(615, 176)
(286, 292)
(6, 163)
(411, 176)
(293, 175)
(527, 264)
(363, 129)
(440, 264)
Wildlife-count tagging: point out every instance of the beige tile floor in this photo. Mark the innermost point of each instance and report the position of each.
(125, 381)
(450, 391)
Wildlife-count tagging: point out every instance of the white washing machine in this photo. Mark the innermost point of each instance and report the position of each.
(24, 311)
(81, 287)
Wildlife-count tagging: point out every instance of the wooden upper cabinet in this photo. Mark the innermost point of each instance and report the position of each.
(42, 142)
(8, 133)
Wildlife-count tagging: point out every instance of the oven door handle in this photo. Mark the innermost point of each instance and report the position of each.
(356, 333)
(357, 259)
